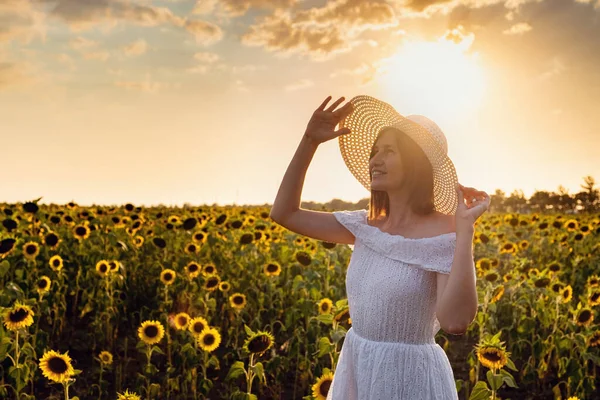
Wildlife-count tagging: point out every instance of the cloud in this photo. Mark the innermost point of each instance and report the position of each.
(237, 8)
(366, 72)
(147, 85)
(19, 73)
(102, 55)
(518, 29)
(67, 60)
(79, 43)
(10, 75)
(595, 3)
(136, 48)
(21, 20)
(88, 49)
(320, 33)
(204, 32)
(556, 67)
(206, 56)
(240, 86)
(84, 14)
(302, 84)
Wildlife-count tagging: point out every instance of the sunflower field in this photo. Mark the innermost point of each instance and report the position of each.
(223, 303)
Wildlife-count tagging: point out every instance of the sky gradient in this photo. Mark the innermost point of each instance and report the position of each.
(201, 102)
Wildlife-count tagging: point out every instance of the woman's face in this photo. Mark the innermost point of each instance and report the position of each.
(385, 165)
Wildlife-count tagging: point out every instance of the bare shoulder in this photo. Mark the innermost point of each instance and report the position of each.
(444, 223)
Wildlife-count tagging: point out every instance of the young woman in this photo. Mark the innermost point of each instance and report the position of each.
(412, 270)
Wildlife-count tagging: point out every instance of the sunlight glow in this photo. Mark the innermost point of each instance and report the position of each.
(440, 78)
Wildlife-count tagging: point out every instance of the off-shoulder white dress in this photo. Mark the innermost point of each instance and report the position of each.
(390, 353)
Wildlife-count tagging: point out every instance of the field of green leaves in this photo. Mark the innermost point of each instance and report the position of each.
(222, 303)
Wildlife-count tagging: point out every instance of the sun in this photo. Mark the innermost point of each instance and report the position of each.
(439, 78)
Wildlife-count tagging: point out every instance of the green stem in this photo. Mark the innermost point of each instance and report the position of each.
(100, 382)
(250, 375)
(17, 349)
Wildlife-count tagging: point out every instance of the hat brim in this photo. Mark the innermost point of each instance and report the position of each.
(369, 116)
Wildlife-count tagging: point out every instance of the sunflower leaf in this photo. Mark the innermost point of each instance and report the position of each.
(480, 391)
(237, 369)
(4, 267)
(259, 371)
(16, 289)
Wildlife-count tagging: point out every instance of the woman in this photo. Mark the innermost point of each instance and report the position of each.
(412, 270)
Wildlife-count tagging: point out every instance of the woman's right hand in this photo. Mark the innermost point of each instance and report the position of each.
(321, 124)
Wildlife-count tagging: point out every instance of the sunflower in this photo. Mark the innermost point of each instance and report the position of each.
(191, 248)
(102, 268)
(492, 357)
(209, 269)
(31, 250)
(272, 269)
(128, 396)
(212, 283)
(498, 293)
(81, 232)
(594, 340)
(303, 258)
(584, 317)
(167, 276)
(192, 269)
(523, 244)
(321, 388)
(56, 366)
(259, 342)
(114, 265)
(593, 280)
(181, 321)
(237, 301)
(6, 246)
(18, 317)
(174, 219)
(197, 325)
(43, 284)
(567, 293)
(209, 339)
(106, 358)
(56, 263)
(325, 306)
(224, 286)
(594, 298)
(52, 240)
(151, 332)
(199, 237)
(491, 277)
(571, 225)
(508, 247)
(138, 241)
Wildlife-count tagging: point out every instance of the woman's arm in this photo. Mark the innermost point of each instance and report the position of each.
(290, 190)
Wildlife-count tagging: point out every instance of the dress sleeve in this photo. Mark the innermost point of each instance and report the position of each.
(353, 220)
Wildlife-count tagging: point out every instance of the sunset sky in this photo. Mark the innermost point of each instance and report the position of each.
(202, 102)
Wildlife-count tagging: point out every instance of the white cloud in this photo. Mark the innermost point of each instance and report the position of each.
(301, 84)
(136, 48)
(518, 29)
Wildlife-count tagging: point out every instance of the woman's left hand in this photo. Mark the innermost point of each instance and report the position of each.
(477, 202)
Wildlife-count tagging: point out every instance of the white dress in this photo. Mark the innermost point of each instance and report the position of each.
(390, 353)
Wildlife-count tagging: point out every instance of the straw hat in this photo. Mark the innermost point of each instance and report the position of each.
(369, 117)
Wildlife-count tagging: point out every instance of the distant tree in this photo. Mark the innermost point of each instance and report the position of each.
(497, 201)
(540, 201)
(588, 198)
(516, 202)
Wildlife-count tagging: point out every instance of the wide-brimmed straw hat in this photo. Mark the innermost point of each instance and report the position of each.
(369, 116)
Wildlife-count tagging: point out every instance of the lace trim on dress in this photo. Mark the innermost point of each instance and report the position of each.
(434, 253)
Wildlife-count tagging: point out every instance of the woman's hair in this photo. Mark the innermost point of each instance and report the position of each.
(417, 178)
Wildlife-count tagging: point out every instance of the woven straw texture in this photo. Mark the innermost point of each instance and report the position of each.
(369, 116)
